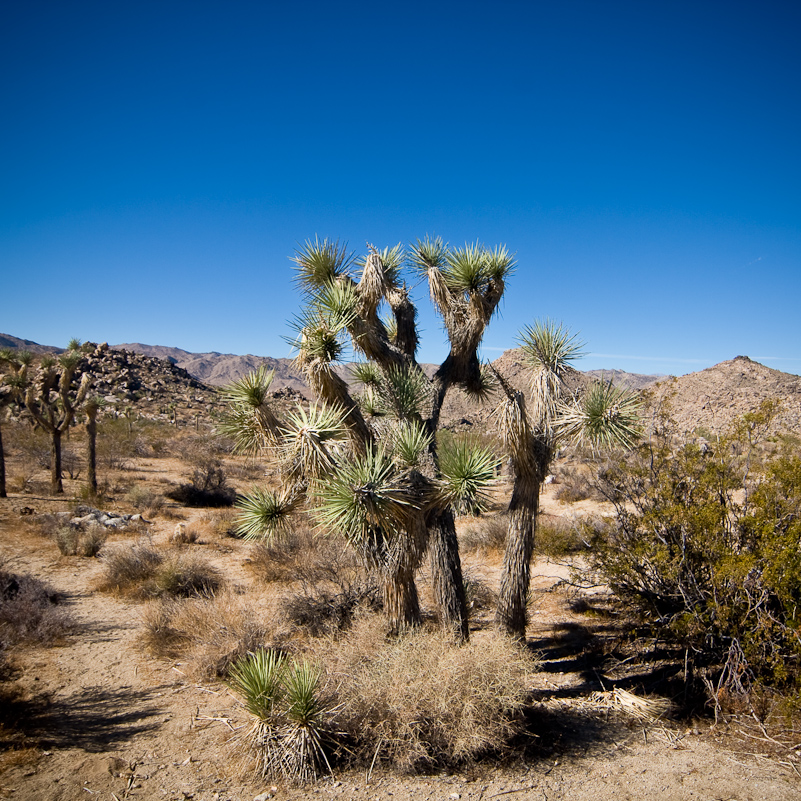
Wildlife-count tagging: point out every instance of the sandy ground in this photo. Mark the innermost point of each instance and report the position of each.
(105, 721)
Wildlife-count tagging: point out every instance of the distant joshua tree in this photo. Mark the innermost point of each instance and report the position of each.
(52, 400)
(12, 391)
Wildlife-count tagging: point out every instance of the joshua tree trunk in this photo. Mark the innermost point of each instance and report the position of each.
(401, 604)
(511, 615)
(446, 569)
(91, 450)
(56, 487)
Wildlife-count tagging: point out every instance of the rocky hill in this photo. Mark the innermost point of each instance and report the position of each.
(15, 343)
(714, 397)
(218, 369)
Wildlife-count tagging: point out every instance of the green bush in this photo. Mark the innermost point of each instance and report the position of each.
(705, 548)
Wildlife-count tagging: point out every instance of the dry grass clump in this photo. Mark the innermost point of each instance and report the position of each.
(557, 536)
(209, 634)
(421, 700)
(29, 611)
(484, 534)
(145, 500)
(144, 572)
(73, 541)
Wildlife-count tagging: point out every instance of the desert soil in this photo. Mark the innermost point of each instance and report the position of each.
(100, 719)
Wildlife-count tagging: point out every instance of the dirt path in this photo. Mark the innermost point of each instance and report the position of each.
(108, 722)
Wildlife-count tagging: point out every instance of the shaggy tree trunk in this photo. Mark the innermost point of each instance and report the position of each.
(91, 453)
(401, 604)
(2, 468)
(511, 615)
(446, 570)
(56, 487)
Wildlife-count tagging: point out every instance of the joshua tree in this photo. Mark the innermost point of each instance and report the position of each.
(12, 390)
(603, 416)
(52, 401)
(388, 492)
(91, 407)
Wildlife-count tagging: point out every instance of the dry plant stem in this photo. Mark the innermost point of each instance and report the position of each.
(401, 602)
(91, 446)
(446, 570)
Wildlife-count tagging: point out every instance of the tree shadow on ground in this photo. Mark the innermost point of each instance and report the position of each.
(94, 719)
(604, 657)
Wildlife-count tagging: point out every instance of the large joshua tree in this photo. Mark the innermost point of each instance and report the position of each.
(52, 400)
(602, 416)
(386, 489)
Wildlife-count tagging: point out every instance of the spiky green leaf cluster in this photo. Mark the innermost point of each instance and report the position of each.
(606, 416)
(472, 267)
(251, 390)
(258, 678)
(262, 513)
(320, 262)
(468, 472)
(428, 253)
(364, 500)
(309, 438)
(409, 442)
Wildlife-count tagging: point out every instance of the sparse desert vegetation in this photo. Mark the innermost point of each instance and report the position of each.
(162, 608)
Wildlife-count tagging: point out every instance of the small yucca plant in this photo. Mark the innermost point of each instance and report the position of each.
(288, 733)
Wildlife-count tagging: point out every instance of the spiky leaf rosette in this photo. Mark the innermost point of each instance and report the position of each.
(263, 514)
(368, 374)
(404, 392)
(468, 473)
(249, 420)
(409, 442)
(251, 390)
(320, 262)
(549, 349)
(366, 501)
(471, 268)
(309, 440)
(605, 416)
(302, 738)
(258, 678)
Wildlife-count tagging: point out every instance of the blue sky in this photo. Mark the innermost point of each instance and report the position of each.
(161, 161)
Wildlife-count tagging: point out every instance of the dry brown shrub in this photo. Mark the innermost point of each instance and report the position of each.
(421, 700)
(29, 611)
(141, 571)
(207, 633)
(73, 541)
(484, 534)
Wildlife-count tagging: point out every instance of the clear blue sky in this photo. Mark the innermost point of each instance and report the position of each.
(161, 161)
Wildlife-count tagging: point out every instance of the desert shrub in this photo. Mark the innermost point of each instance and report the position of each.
(29, 611)
(143, 498)
(184, 536)
(142, 571)
(484, 534)
(557, 537)
(573, 485)
(704, 548)
(207, 487)
(421, 701)
(480, 596)
(74, 541)
(329, 582)
(209, 634)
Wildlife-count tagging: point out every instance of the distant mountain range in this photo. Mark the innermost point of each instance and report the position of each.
(709, 399)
